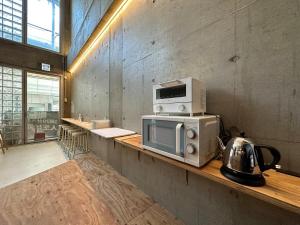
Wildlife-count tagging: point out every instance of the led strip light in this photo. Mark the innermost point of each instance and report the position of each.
(79, 59)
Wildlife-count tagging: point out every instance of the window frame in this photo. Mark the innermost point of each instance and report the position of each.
(24, 29)
(25, 114)
(13, 22)
(25, 5)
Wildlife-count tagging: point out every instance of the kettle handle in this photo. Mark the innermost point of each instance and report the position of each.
(260, 159)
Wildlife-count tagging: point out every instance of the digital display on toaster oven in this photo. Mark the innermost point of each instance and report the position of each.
(171, 92)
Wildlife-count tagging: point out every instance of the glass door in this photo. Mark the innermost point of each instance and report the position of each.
(161, 135)
(43, 111)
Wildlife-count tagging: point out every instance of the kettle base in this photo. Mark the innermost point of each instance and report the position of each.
(242, 178)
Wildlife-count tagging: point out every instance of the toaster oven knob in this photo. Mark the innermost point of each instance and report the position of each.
(190, 149)
(158, 108)
(181, 108)
(190, 133)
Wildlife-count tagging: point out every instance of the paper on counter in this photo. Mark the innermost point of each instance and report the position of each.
(112, 132)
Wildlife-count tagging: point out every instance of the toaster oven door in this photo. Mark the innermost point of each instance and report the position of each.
(165, 137)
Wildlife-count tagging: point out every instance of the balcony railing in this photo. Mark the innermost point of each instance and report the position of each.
(42, 125)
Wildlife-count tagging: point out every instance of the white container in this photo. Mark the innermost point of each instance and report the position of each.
(98, 124)
(184, 96)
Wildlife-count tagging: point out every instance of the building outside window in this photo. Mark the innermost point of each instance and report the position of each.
(43, 28)
(11, 20)
(43, 22)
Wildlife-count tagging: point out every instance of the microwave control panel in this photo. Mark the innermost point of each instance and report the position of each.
(191, 140)
(200, 140)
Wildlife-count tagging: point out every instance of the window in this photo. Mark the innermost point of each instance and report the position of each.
(11, 120)
(11, 20)
(43, 23)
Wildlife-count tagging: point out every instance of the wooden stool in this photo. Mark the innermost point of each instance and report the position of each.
(60, 131)
(79, 140)
(2, 143)
(65, 134)
(69, 137)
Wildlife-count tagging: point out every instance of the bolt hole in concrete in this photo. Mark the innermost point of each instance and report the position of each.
(234, 58)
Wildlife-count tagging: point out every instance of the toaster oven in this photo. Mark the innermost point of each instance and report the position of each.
(187, 139)
(184, 96)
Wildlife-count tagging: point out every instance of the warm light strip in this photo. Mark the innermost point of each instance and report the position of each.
(96, 40)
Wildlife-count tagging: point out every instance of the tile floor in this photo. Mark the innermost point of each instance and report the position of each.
(20, 162)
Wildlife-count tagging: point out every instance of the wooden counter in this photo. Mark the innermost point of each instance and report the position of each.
(84, 125)
(281, 190)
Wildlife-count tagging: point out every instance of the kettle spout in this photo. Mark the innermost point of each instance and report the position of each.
(222, 146)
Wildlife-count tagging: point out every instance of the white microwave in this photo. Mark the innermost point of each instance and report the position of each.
(187, 139)
(184, 96)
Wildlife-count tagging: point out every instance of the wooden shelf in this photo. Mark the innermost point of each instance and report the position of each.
(84, 125)
(281, 190)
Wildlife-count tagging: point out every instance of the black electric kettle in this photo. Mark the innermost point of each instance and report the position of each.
(243, 161)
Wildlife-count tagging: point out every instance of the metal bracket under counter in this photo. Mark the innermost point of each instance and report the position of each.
(281, 190)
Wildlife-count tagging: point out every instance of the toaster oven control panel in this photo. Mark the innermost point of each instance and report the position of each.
(173, 108)
(181, 108)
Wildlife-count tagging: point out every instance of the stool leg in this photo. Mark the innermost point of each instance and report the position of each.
(61, 130)
(76, 146)
(72, 147)
(63, 137)
(79, 143)
(58, 132)
(69, 141)
(66, 139)
(86, 143)
(2, 145)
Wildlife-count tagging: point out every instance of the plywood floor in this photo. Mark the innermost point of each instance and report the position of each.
(23, 161)
(128, 204)
(84, 191)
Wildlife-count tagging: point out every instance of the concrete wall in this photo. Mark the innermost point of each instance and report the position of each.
(30, 58)
(85, 15)
(160, 40)
(155, 41)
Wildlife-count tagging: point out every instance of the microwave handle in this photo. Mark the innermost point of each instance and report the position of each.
(178, 127)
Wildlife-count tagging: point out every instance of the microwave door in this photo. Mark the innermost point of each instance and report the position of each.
(164, 136)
